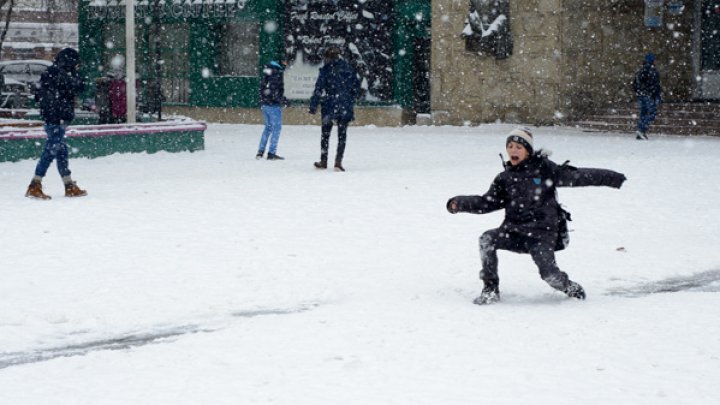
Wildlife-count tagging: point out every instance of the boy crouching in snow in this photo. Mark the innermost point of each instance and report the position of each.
(534, 221)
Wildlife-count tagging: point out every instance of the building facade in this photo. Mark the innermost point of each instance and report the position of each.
(205, 57)
(450, 62)
(570, 56)
(38, 29)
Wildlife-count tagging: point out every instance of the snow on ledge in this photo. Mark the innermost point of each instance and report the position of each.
(105, 130)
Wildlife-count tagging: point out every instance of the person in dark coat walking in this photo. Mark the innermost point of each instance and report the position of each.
(648, 90)
(102, 100)
(59, 85)
(336, 89)
(272, 100)
(534, 221)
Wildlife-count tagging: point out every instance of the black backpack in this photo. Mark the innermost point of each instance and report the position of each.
(563, 239)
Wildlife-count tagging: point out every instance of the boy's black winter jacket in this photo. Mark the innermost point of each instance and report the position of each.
(59, 85)
(527, 192)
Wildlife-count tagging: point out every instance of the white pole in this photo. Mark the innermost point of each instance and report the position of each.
(130, 59)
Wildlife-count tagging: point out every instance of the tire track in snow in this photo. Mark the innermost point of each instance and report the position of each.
(707, 281)
(132, 340)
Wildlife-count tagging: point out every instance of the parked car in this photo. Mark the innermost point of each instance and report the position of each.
(19, 81)
(27, 70)
(15, 94)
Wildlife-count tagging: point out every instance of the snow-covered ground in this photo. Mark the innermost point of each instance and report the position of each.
(213, 278)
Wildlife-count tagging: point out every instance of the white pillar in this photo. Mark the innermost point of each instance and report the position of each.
(130, 59)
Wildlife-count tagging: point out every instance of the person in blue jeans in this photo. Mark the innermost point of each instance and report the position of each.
(646, 85)
(59, 85)
(272, 100)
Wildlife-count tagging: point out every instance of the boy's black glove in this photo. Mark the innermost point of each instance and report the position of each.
(617, 181)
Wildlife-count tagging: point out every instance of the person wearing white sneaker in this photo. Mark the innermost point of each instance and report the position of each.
(648, 90)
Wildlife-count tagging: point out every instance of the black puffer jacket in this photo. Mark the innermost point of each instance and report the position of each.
(272, 85)
(647, 82)
(59, 85)
(527, 192)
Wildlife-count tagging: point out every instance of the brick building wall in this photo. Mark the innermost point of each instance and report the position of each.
(36, 32)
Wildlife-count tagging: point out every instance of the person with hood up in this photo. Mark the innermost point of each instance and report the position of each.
(336, 89)
(534, 221)
(272, 100)
(59, 85)
(117, 92)
(646, 85)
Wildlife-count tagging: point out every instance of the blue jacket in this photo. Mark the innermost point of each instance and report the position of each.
(59, 85)
(336, 89)
(272, 86)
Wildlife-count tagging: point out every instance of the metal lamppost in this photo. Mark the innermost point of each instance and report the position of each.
(130, 59)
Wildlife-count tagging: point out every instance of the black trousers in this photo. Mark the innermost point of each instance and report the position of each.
(327, 126)
(542, 251)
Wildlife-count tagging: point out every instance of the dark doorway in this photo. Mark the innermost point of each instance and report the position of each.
(710, 35)
(421, 77)
(709, 83)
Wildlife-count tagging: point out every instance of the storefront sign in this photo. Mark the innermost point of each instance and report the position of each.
(675, 7)
(653, 13)
(300, 78)
(111, 10)
(361, 29)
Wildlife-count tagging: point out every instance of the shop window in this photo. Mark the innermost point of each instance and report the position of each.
(238, 49)
(175, 64)
(114, 51)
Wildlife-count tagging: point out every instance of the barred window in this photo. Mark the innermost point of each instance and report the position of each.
(238, 49)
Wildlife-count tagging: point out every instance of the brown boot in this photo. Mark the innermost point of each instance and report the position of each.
(72, 190)
(35, 191)
(338, 166)
(321, 164)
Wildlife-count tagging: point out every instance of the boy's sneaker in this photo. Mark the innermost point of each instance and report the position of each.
(640, 135)
(272, 156)
(321, 164)
(575, 290)
(259, 155)
(490, 294)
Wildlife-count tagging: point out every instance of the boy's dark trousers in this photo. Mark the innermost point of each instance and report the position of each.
(541, 249)
(325, 139)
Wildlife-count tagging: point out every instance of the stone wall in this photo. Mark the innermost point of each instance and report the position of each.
(569, 56)
(470, 88)
(604, 43)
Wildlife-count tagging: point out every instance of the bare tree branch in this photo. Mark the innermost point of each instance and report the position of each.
(8, 16)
